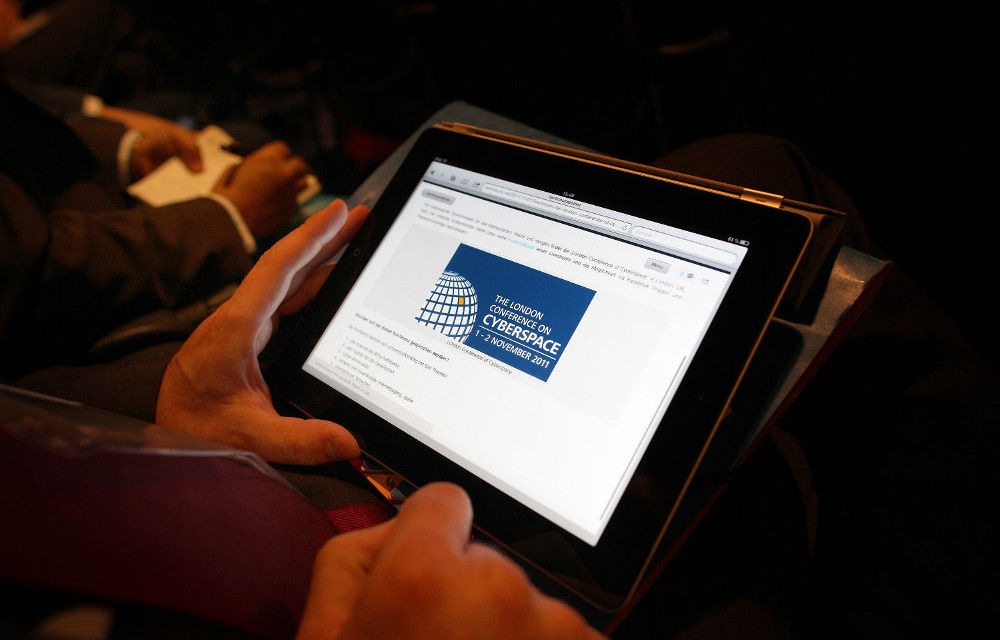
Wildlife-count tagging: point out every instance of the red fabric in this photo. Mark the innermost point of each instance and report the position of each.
(206, 536)
(359, 515)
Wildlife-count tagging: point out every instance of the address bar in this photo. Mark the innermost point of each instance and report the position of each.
(661, 238)
(554, 207)
(685, 245)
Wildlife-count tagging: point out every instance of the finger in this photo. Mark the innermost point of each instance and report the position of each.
(305, 442)
(538, 615)
(306, 291)
(271, 280)
(355, 219)
(438, 515)
(556, 619)
(276, 149)
(283, 268)
(296, 168)
(190, 153)
(340, 574)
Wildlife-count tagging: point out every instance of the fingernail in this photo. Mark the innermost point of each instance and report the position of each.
(339, 215)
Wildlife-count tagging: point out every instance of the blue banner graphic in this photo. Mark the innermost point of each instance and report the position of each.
(513, 313)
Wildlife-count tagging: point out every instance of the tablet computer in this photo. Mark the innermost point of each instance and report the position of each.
(557, 334)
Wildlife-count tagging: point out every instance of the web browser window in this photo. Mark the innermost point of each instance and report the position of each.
(530, 337)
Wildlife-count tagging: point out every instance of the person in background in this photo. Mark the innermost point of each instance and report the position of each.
(79, 258)
(69, 43)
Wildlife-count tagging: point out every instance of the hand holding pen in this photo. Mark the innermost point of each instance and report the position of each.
(264, 186)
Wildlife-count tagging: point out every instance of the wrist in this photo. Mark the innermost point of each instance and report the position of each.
(248, 206)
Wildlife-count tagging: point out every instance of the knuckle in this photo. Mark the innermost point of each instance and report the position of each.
(265, 153)
(239, 439)
(332, 551)
(565, 622)
(295, 168)
(419, 581)
(280, 148)
(447, 491)
(233, 321)
(503, 582)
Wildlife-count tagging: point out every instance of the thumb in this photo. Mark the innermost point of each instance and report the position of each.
(191, 156)
(304, 442)
(185, 146)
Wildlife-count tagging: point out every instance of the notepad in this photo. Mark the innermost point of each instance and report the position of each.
(173, 182)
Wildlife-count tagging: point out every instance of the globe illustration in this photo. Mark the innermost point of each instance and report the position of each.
(451, 307)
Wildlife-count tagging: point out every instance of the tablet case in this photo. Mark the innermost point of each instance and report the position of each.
(460, 117)
(788, 357)
(827, 223)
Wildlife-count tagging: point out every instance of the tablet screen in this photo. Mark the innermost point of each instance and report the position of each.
(528, 336)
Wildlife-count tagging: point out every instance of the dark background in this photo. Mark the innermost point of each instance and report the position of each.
(891, 103)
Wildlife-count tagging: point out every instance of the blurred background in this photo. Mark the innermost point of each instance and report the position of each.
(889, 102)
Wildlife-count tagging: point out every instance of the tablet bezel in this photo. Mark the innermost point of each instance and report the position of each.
(612, 568)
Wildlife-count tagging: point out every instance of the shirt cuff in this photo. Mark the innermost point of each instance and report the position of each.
(249, 242)
(125, 148)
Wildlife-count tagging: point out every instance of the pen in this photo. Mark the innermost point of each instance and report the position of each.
(239, 149)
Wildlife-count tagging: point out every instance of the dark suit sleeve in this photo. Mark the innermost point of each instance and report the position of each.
(101, 137)
(60, 101)
(74, 274)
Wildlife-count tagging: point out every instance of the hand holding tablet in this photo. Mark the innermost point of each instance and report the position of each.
(213, 387)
